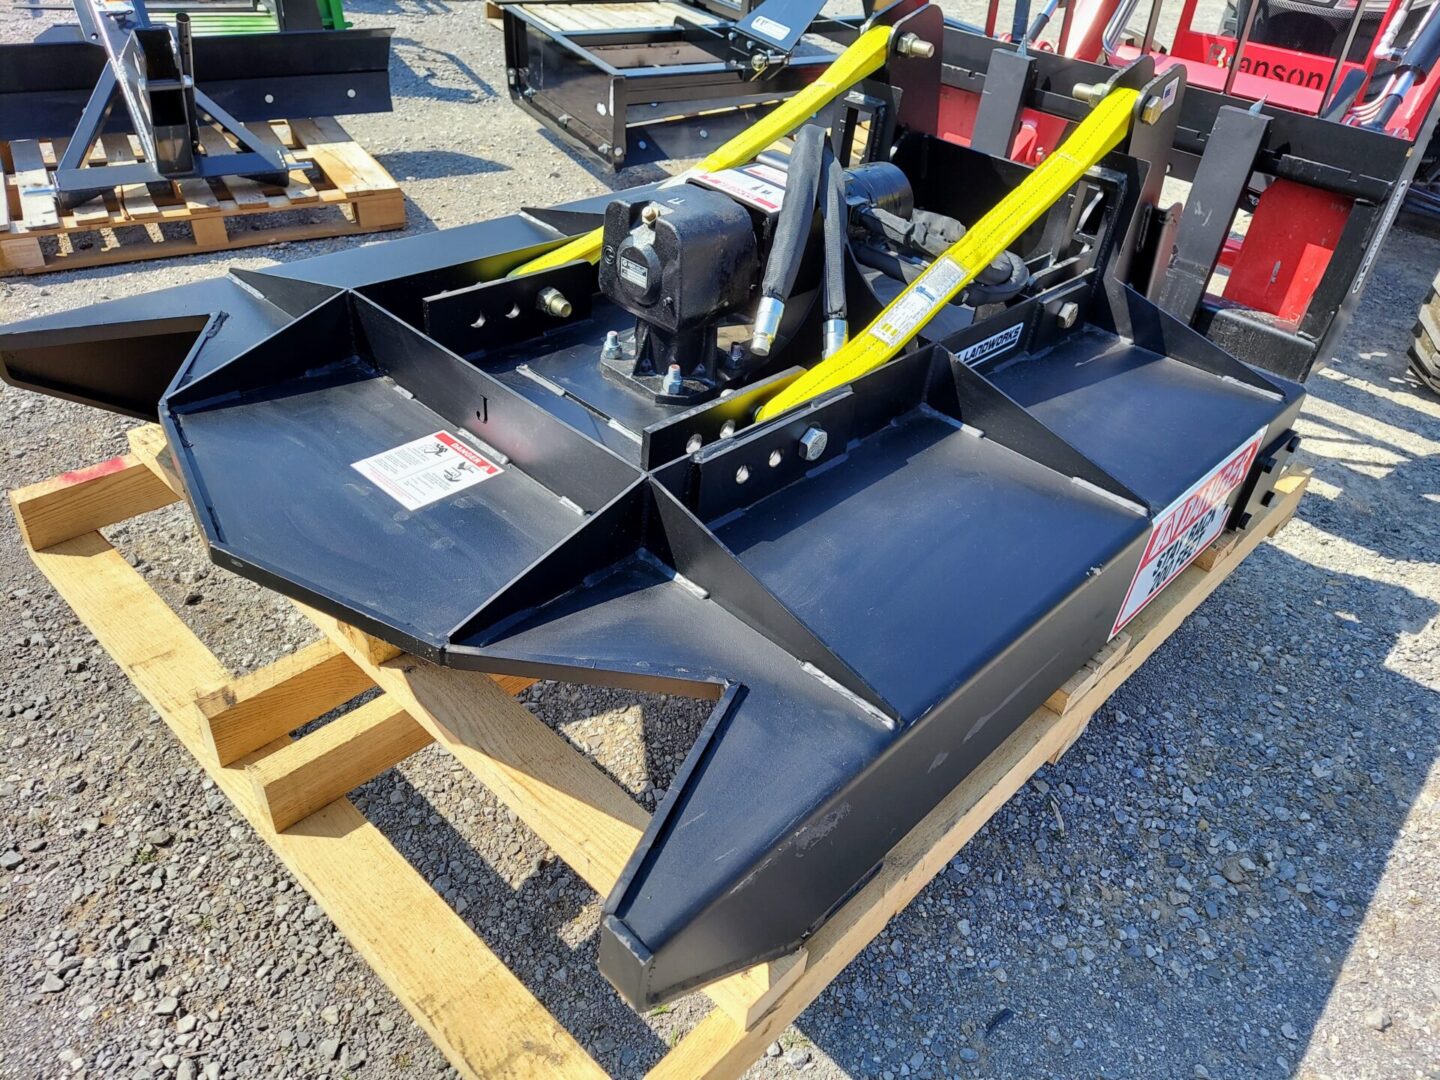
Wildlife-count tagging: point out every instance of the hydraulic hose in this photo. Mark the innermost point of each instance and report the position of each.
(836, 218)
(792, 232)
(894, 327)
(865, 55)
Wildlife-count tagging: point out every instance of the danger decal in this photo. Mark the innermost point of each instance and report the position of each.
(1187, 527)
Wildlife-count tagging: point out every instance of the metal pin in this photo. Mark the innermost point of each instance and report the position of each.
(916, 46)
(552, 301)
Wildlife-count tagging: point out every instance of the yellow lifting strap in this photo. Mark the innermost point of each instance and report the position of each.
(863, 57)
(1092, 139)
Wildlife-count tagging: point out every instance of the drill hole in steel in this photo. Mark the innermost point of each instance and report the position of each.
(775, 457)
(479, 321)
(693, 444)
(742, 474)
(514, 312)
(727, 429)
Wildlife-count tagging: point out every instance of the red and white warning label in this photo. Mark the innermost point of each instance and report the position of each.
(758, 185)
(427, 469)
(1187, 527)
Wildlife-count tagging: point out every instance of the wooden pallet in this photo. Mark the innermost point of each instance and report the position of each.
(293, 791)
(346, 191)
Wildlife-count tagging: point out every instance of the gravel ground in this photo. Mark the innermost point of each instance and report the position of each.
(1227, 877)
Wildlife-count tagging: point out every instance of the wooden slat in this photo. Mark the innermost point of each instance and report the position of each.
(21, 253)
(719, 1047)
(308, 774)
(298, 189)
(92, 211)
(197, 195)
(474, 1009)
(246, 192)
(348, 166)
(586, 818)
(246, 713)
(37, 194)
(1108, 656)
(87, 499)
(134, 198)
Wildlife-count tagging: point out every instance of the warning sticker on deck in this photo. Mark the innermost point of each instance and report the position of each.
(427, 469)
(918, 304)
(755, 185)
(1187, 527)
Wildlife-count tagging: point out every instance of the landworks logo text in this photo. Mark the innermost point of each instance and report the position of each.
(991, 345)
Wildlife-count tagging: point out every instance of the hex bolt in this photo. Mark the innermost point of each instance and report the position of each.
(552, 301)
(611, 348)
(674, 380)
(916, 46)
(1089, 93)
(1067, 313)
(1153, 109)
(812, 443)
(650, 214)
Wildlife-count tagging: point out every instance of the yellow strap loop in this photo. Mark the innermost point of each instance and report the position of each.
(922, 299)
(865, 56)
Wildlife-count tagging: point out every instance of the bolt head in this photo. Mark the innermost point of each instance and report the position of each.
(813, 443)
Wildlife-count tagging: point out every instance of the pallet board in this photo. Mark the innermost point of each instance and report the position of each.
(342, 190)
(293, 791)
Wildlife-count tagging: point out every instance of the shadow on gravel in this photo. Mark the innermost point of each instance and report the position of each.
(521, 925)
(418, 70)
(631, 176)
(433, 164)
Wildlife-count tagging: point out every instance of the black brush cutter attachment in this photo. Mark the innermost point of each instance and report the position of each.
(874, 587)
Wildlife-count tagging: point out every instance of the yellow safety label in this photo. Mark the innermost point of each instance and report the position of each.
(918, 303)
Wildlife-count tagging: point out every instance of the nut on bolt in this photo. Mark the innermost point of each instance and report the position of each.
(916, 46)
(552, 301)
(650, 213)
(1152, 109)
(812, 443)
